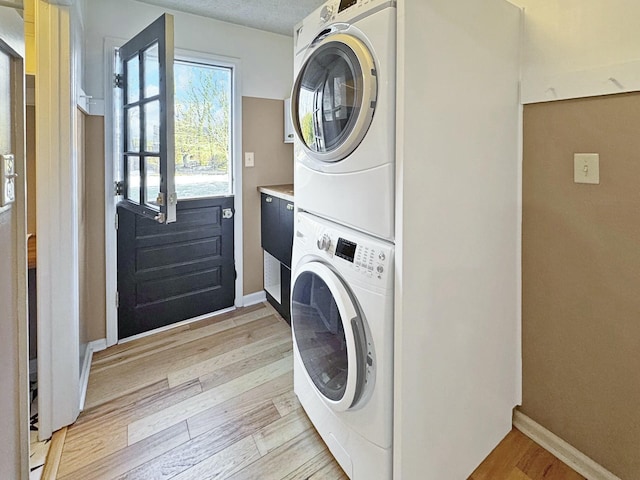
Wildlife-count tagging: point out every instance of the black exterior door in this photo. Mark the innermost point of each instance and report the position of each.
(172, 272)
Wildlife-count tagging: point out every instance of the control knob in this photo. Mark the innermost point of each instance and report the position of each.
(324, 242)
(325, 13)
(380, 269)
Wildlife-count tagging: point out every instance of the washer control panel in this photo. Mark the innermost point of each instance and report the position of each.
(366, 259)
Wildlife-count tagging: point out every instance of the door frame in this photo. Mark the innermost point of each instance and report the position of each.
(112, 166)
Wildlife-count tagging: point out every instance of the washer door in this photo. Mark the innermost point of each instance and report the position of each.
(328, 335)
(334, 97)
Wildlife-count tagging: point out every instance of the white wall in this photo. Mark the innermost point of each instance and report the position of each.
(13, 356)
(573, 47)
(457, 280)
(267, 58)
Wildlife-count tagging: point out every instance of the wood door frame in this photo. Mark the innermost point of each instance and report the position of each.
(112, 166)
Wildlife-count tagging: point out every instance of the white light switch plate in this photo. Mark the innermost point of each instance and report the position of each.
(248, 159)
(7, 179)
(586, 168)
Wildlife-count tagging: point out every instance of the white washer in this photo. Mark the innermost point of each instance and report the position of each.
(342, 321)
(343, 112)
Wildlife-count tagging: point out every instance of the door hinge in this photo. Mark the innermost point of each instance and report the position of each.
(116, 222)
(117, 299)
(118, 188)
(118, 80)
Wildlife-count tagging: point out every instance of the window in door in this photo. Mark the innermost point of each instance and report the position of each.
(203, 119)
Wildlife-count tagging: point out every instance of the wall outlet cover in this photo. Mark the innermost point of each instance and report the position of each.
(586, 168)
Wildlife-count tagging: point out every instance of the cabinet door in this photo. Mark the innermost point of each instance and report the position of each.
(286, 231)
(270, 224)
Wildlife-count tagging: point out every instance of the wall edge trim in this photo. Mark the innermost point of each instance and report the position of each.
(564, 451)
(254, 298)
(84, 374)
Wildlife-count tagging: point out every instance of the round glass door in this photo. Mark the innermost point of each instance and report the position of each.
(334, 97)
(331, 349)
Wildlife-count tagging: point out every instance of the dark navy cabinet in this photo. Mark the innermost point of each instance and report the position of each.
(276, 223)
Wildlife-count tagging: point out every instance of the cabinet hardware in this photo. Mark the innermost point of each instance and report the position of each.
(268, 200)
(289, 206)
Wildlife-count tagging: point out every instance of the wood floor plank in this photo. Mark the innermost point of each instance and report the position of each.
(283, 460)
(199, 449)
(212, 364)
(145, 427)
(243, 367)
(222, 464)
(281, 431)
(537, 463)
(317, 463)
(330, 471)
(241, 314)
(504, 457)
(133, 456)
(90, 440)
(222, 413)
(125, 378)
(286, 402)
(52, 464)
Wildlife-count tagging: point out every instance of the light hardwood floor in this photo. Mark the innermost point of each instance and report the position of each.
(214, 400)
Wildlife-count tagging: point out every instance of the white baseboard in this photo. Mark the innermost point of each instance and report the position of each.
(254, 298)
(98, 345)
(561, 449)
(95, 346)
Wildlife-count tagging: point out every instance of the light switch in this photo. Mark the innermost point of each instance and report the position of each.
(7, 179)
(586, 168)
(248, 159)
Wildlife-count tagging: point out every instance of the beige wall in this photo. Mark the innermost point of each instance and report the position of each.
(581, 278)
(93, 308)
(263, 134)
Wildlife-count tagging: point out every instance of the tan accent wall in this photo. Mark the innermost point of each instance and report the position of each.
(263, 134)
(581, 278)
(94, 313)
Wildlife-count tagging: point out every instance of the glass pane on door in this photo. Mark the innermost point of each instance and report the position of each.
(133, 83)
(328, 97)
(319, 335)
(133, 179)
(151, 65)
(152, 180)
(203, 118)
(152, 126)
(133, 129)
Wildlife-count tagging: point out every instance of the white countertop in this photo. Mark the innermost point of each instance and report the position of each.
(281, 191)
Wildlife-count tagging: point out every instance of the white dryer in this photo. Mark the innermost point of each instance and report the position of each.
(342, 321)
(343, 112)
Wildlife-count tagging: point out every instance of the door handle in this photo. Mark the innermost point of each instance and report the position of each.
(227, 213)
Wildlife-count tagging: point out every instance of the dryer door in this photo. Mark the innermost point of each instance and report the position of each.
(334, 96)
(328, 335)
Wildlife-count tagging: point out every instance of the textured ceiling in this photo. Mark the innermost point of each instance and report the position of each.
(277, 16)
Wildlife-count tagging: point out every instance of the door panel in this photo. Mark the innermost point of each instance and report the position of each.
(148, 141)
(169, 273)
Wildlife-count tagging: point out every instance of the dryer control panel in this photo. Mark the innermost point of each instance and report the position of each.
(346, 10)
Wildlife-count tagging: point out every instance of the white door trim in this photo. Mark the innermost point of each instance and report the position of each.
(111, 166)
(57, 220)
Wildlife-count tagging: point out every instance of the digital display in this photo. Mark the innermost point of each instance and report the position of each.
(346, 249)
(344, 4)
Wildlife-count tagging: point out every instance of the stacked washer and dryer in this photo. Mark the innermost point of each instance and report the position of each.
(343, 111)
